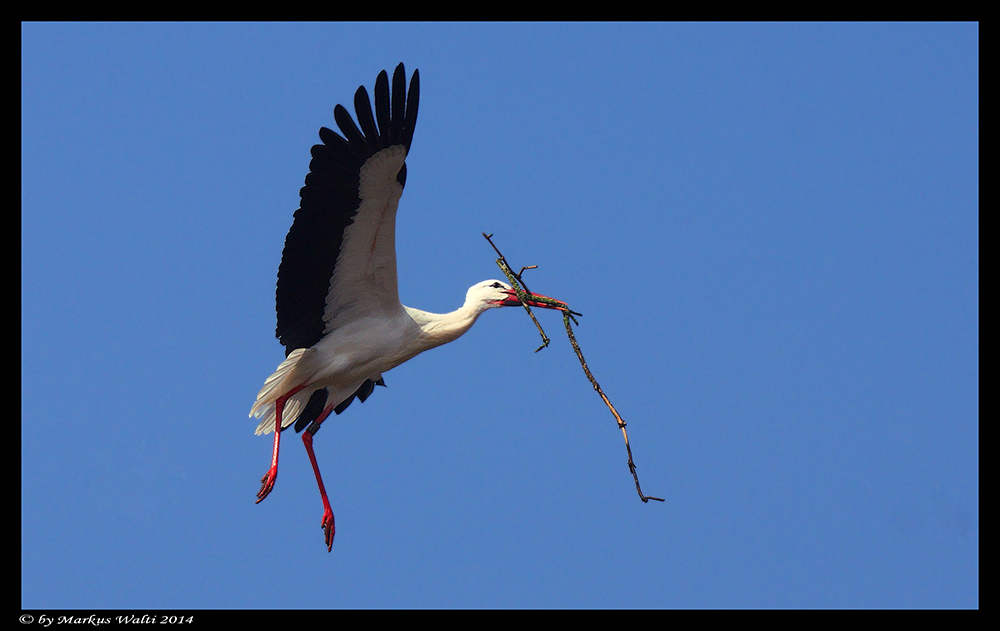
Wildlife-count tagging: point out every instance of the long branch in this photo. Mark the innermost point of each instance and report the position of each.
(516, 282)
(607, 401)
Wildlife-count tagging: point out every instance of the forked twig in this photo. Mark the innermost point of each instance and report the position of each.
(517, 283)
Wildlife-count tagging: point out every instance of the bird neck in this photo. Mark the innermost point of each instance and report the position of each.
(441, 328)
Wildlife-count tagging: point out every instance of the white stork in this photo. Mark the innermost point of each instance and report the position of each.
(339, 315)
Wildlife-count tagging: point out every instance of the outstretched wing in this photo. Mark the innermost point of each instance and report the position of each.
(339, 259)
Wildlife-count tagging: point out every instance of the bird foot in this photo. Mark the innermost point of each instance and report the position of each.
(267, 483)
(328, 528)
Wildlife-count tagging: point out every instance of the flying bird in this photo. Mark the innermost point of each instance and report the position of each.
(339, 315)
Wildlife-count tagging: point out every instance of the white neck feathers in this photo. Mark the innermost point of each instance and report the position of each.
(441, 328)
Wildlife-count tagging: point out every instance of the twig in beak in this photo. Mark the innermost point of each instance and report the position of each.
(516, 284)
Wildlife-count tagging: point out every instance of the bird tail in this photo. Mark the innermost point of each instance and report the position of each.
(283, 380)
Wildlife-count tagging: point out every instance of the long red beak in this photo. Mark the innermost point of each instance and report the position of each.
(534, 300)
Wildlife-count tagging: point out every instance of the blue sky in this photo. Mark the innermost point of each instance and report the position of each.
(772, 232)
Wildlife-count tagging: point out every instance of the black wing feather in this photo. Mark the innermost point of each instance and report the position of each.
(355, 139)
(382, 109)
(410, 119)
(317, 402)
(363, 107)
(398, 106)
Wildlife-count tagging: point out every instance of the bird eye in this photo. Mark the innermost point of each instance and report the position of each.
(496, 285)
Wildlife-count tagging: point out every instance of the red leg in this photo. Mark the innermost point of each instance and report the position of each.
(307, 439)
(267, 482)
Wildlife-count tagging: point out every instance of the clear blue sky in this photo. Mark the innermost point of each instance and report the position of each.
(772, 232)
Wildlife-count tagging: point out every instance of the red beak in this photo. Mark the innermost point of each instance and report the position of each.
(534, 300)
